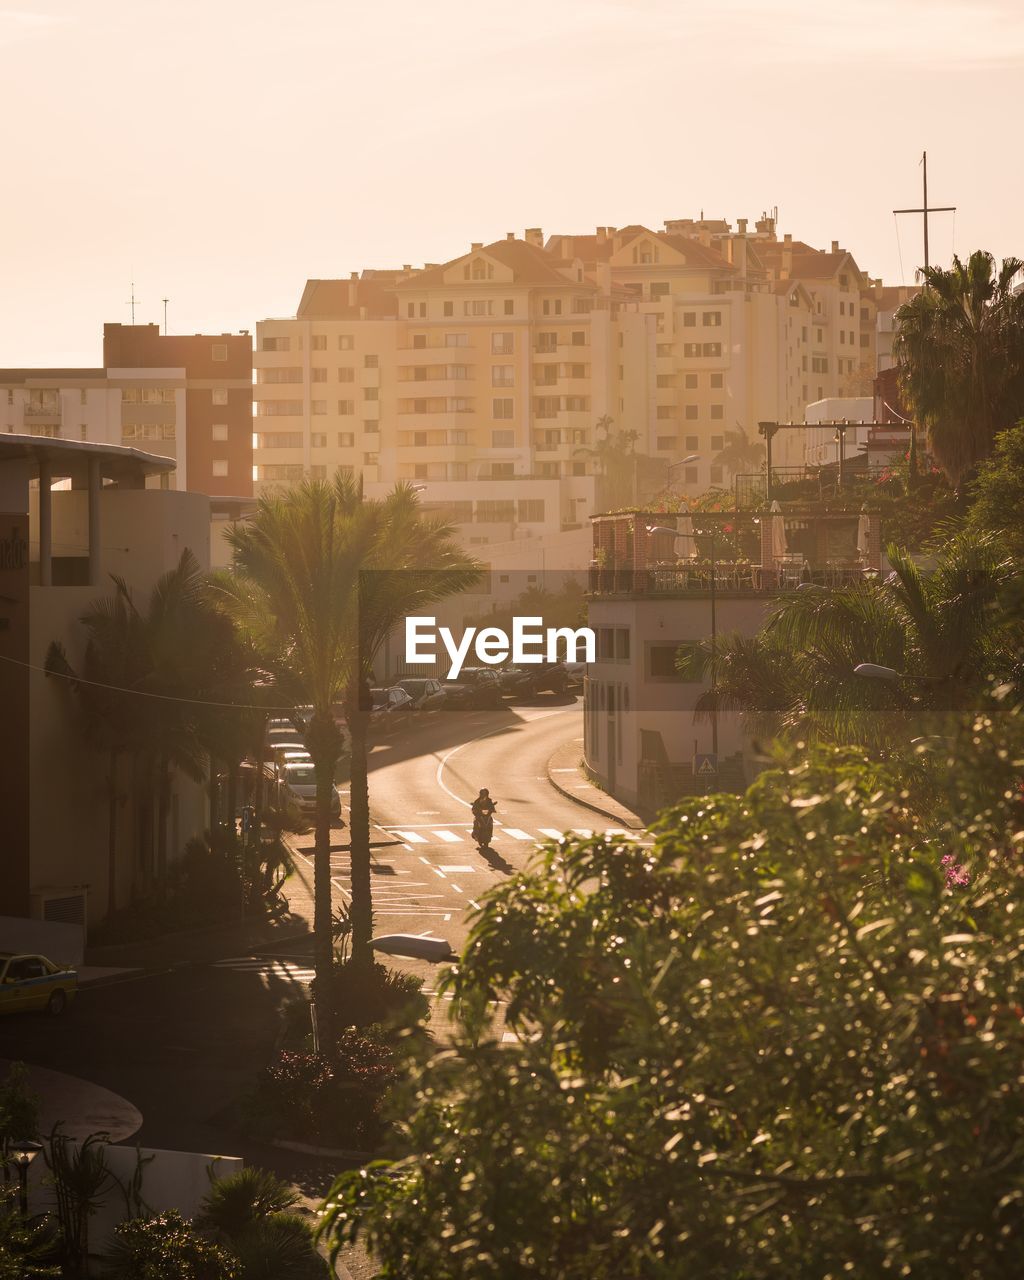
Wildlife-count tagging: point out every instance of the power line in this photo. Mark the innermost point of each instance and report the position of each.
(143, 693)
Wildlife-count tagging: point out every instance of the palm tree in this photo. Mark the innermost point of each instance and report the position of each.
(293, 595)
(739, 453)
(145, 679)
(947, 632)
(617, 462)
(959, 347)
(413, 563)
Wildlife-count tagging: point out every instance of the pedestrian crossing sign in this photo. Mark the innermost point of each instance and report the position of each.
(705, 765)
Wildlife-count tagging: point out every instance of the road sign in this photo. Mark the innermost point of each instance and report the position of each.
(705, 765)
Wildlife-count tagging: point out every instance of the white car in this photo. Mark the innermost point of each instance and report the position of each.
(299, 778)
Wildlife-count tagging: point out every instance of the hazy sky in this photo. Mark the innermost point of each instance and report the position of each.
(221, 151)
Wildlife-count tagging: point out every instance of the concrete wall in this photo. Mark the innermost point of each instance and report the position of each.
(61, 943)
(171, 1180)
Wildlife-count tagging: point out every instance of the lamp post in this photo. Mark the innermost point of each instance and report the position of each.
(659, 528)
(24, 1152)
(683, 462)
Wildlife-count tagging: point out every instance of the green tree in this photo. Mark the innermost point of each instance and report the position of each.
(783, 1041)
(617, 464)
(997, 493)
(947, 632)
(959, 348)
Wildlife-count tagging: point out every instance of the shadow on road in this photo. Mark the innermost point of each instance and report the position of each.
(494, 859)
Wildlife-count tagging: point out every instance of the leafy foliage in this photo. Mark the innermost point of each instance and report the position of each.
(959, 347)
(997, 494)
(250, 1213)
(164, 1246)
(780, 1042)
(28, 1250)
(19, 1106)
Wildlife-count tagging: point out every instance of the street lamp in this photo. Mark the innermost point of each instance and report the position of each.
(24, 1152)
(683, 462)
(660, 528)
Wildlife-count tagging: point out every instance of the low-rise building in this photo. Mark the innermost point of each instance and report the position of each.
(73, 513)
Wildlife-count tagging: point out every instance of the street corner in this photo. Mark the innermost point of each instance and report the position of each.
(568, 776)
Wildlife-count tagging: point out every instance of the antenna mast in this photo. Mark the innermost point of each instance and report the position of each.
(926, 209)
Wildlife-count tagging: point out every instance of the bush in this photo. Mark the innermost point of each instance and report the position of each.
(167, 1246)
(367, 995)
(235, 1203)
(333, 1103)
(248, 1213)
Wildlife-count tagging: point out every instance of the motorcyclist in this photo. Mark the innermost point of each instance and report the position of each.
(483, 824)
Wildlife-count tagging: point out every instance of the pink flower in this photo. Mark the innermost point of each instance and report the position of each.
(955, 873)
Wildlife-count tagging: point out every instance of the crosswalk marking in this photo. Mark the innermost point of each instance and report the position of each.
(284, 970)
(585, 832)
(454, 870)
(411, 837)
(449, 837)
(516, 834)
(552, 832)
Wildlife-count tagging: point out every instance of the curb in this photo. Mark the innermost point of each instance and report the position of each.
(589, 804)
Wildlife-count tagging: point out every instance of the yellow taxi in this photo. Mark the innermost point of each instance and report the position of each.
(33, 982)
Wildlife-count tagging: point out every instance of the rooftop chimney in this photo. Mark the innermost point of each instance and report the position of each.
(835, 246)
(406, 266)
(353, 275)
(787, 238)
(741, 226)
(534, 236)
(477, 244)
(510, 235)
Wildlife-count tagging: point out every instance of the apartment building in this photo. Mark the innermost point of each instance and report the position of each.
(481, 379)
(188, 399)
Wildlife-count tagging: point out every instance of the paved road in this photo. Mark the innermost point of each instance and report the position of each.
(183, 1042)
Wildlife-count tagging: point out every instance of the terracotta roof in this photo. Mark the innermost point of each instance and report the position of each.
(333, 300)
(588, 249)
(698, 254)
(528, 264)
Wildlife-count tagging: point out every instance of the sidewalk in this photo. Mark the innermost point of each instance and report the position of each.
(83, 1108)
(566, 775)
(214, 942)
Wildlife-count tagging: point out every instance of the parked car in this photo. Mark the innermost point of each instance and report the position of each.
(391, 709)
(299, 778)
(576, 672)
(473, 688)
(33, 982)
(426, 694)
(528, 680)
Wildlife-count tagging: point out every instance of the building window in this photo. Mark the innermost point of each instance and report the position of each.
(219, 395)
(456, 339)
(318, 440)
(279, 408)
(318, 375)
(495, 511)
(717, 381)
(666, 443)
(219, 431)
(712, 319)
(547, 342)
(346, 374)
(501, 408)
(503, 375)
(718, 411)
(691, 412)
(691, 444)
(664, 411)
(371, 426)
(689, 319)
(717, 443)
(448, 308)
(220, 354)
(318, 407)
(84, 431)
(346, 342)
(665, 380)
(369, 459)
(503, 471)
(318, 342)
(716, 475)
(420, 470)
(220, 466)
(510, 306)
(712, 349)
(690, 382)
(503, 439)
(371, 362)
(478, 307)
(346, 407)
(531, 510)
(419, 439)
(318, 471)
(281, 471)
(579, 338)
(865, 339)
(659, 291)
(371, 393)
(346, 439)
(661, 662)
(275, 344)
(502, 344)
(691, 349)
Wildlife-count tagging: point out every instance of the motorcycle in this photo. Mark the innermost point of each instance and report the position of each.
(483, 829)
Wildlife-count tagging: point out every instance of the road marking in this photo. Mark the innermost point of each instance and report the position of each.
(474, 904)
(458, 888)
(585, 832)
(516, 834)
(449, 837)
(423, 826)
(550, 831)
(439, 873)
(448, 915)
(564, 770)
(413, 837)
(426, 860)
(450, 869)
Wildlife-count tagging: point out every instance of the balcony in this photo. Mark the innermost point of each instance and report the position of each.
(42, 415)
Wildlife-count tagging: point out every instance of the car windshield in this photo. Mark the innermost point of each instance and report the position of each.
(413, 687)
(380, 697)
(303, 776)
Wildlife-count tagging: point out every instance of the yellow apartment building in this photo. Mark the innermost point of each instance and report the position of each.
(483, 379)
